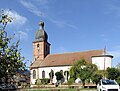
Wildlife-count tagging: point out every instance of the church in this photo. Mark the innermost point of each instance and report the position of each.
(44, 62)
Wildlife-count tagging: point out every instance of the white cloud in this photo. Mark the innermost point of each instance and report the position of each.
(21, 35)
(62, 23)
(17, 18)
(40, 11)
(31, 7)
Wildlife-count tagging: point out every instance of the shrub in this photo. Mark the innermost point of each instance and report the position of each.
(70, 81)
(45, 81)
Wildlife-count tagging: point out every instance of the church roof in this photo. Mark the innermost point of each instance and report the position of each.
(66, 59)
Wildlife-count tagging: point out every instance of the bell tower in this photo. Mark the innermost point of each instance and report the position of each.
(41, 47)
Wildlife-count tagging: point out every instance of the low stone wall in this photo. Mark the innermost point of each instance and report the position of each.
(63, 86)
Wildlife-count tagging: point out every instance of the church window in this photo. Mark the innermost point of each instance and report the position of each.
(43, 74)
(34, 74)
(38, 47)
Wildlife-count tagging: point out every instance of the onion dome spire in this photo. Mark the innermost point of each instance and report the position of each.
(41, 35)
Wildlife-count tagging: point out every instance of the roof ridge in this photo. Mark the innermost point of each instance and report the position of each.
(76, 52)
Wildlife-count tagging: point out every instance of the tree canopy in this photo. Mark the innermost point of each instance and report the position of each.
(83, 70)
(113, 73)
(10, 57)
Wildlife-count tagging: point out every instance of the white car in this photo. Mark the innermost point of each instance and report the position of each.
(107, 85)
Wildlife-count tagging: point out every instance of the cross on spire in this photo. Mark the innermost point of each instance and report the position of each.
(41, 15)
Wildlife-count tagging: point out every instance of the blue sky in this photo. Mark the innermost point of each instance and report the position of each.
(72, 25)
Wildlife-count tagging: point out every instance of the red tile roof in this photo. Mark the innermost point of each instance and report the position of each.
(66, 59)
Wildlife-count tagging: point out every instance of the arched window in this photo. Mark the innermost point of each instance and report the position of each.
(38, 45)
(34, 74)
(43, 74)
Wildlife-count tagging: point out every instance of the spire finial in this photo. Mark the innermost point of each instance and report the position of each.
(41, 24)
(105, 50)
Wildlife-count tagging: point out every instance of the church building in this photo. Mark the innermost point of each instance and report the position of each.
(44, 62)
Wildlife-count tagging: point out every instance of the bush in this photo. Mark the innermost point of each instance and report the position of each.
(45, 81)
(118, 80)
(42, 81)
(70, 81)
(38, 82)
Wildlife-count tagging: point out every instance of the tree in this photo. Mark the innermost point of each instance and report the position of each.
(83, 70)
(59, 76)
(113, 73)
(10, 57)
(86, 72)
(51, 75)
(96, 78)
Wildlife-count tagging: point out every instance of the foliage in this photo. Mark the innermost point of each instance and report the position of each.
(73, 73)
(10, 57)
(42, 81)
(70, 81)
(59, 76)
(96, 78)
(113, 73)
(83, 70)
(118, 80)
(38, 82)
(102, 72)
(51, 74)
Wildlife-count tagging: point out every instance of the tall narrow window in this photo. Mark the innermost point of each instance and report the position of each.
(43, 74)
(38, 47)
(34, 74)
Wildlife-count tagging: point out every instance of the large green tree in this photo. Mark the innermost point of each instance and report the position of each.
(83, 70)
(10, 58)
(113, 73)
(96, 77)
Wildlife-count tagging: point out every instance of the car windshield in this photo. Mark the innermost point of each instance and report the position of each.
(109, 82)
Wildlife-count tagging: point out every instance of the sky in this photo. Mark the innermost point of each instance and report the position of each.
(71, 25)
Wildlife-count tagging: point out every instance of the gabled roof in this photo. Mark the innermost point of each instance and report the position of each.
(66, 59)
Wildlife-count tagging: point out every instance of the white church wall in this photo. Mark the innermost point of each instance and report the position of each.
(55, 69)
(102, 62)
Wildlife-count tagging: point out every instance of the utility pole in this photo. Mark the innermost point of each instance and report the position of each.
(104, 60)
